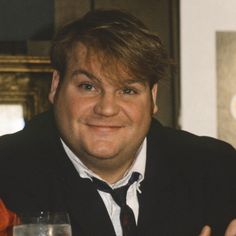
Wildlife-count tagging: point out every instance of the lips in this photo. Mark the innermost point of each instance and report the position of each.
(105, 127)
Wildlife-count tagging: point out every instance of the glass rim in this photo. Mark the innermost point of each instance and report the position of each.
(43, 217)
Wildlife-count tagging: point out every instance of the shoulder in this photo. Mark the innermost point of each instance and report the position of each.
(34, 140)
(191, 157)
(33, 129)
(180, 141)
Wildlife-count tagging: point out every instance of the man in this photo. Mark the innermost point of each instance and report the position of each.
(100, 156)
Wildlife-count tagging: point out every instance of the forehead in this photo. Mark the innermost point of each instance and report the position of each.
(100, 64)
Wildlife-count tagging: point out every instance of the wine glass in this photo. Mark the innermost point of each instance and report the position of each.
(43, 224)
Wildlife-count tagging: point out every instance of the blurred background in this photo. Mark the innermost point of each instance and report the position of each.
(199, 93)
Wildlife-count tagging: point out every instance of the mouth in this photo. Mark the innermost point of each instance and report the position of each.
(105, 127)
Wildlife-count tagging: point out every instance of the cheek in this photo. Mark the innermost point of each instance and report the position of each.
(144, 105)
(139, 112)
(68, 100)
(66, 107)
(78, 108)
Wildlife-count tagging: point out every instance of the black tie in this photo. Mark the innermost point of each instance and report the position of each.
(127, 218)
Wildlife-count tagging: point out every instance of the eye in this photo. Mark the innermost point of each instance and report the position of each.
(129, 91)
(86, 87)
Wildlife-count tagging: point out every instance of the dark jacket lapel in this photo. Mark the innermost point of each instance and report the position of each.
(156, 198)
(87, 210)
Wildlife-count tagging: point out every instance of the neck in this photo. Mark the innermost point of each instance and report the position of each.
(108, 170)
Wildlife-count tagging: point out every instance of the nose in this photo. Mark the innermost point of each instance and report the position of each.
(107, 105)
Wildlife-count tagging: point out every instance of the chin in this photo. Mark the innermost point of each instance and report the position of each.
(102, 149)
(103, 156)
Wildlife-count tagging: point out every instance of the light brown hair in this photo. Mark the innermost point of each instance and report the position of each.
(119, 37)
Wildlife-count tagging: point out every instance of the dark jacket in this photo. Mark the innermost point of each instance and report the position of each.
(190, 181)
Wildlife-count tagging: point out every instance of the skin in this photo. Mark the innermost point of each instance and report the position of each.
(230, 231)
(206, 231)
(102, 120)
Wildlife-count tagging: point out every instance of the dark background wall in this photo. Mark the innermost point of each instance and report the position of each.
(21, 20)
(27, 26)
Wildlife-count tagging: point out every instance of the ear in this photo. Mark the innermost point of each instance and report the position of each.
(54, 86)
(154, 98)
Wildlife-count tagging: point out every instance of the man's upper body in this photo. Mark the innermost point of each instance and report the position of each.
(104, 94)
(188, 182)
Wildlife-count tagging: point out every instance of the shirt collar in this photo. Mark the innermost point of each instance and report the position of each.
(138, 165)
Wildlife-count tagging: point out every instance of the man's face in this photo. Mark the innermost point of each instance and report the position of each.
(103, 122)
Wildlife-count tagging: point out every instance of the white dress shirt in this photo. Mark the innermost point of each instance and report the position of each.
(131, 199)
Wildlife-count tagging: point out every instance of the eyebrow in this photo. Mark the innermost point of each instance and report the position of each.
(132, 81)
(85, 72)
(95, 78)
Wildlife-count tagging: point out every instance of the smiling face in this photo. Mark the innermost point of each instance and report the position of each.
(103, 121)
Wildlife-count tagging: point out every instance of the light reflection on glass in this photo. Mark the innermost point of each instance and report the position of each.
(11, 118)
